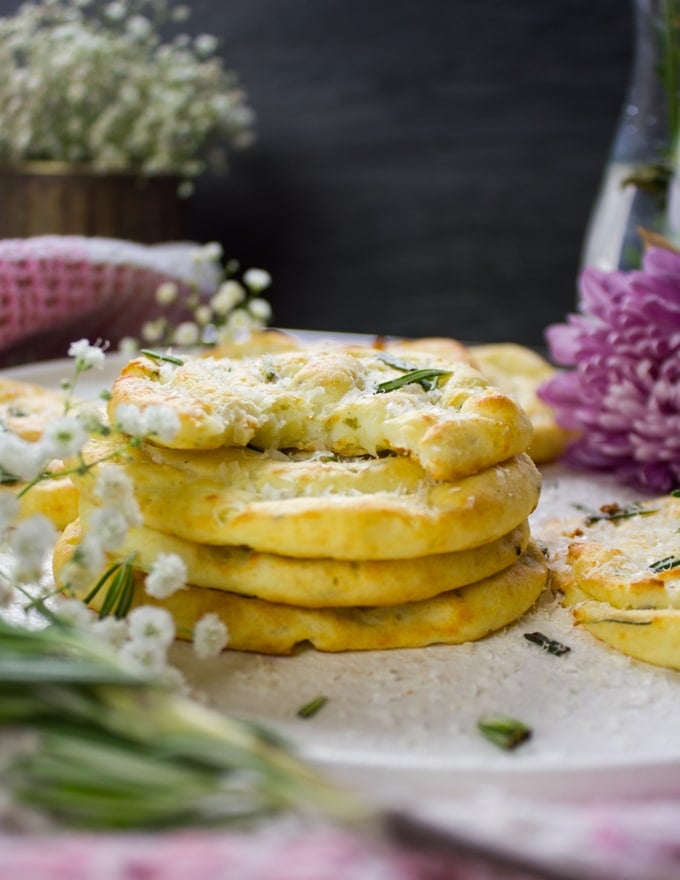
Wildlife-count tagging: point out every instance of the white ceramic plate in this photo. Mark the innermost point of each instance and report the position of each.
(402, 724)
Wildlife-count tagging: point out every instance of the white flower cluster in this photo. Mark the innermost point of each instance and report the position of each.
(26, 460)
(235, 308)
(92, 82)
(62, 438)
(144, 637)
(154, 421)
(141, 640)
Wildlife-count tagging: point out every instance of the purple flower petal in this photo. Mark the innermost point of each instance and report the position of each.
(622, 394)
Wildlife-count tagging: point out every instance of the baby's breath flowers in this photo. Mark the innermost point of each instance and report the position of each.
(31, 540)
(221, 304)
(211, 636)
(87, 356)
(112, 736)
(154, 421)
(29, 543)
(622, 393)
(168, 574)
(93, 82)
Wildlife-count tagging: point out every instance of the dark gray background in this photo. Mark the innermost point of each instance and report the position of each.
(422, 166)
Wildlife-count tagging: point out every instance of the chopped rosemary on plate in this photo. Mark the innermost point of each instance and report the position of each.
(506, 732)
(550, 646)
(310, 709)
(614, 512)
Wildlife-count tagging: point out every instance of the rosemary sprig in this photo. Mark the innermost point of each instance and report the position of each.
(427, 378)
(614, 512)
(396, 363)
(665, 564)
(158, 356)
(550, 646)
(119, 592)
(310, 709)
(116, 750)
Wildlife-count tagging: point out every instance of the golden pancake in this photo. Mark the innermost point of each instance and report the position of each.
(624, 557)
(261, 342)
(57, 499)
(443, 347)
(254, 344)
(619, 571)
(520, 372)
(516, 370)
(458, 616)
(350, 402)
(651, 636)
(321, 582)
(25, 410)
(368, 508)
(648, 634)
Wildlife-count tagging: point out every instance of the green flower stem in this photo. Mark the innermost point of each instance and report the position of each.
(116, 750)
(184, 729)
(81, 468)
(670, 71)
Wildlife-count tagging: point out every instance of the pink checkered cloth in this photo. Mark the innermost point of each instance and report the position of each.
(636, 839)
(54, 289)
(195, 855)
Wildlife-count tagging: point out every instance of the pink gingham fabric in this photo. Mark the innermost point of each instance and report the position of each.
(273, 855)
(611, 840)
(54, 289)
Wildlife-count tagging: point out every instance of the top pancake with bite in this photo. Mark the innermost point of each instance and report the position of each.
(350, 402)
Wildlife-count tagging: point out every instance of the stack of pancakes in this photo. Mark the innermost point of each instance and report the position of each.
(348, 498)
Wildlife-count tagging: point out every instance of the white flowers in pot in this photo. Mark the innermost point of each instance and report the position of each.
(99, 84)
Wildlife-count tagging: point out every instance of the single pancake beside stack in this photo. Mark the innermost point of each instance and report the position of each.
(619, 571)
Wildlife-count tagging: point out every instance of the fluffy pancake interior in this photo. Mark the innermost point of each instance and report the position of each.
(453, 423)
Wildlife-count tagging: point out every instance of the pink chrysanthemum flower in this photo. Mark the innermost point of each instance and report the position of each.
(623, 395)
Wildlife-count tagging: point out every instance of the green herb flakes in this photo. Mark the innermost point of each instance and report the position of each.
(505, 732)
(550, 646)
(166, 358)
(665, 564)
(309, 710)
(427, 378)
(614, 512)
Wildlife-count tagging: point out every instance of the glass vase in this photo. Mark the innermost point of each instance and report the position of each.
(640, 189)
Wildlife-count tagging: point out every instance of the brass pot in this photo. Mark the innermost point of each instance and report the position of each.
(55, 198)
